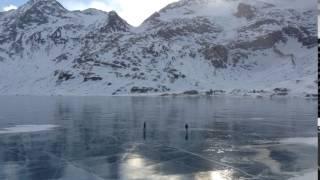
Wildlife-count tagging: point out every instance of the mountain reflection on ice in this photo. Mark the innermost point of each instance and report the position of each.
(103, 138)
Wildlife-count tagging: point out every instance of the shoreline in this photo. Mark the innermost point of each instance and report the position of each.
(175, 94)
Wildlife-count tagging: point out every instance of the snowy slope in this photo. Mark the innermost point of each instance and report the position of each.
(233, 45)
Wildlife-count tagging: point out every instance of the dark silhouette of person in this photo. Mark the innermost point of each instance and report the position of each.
(187, 133)
(144, 130)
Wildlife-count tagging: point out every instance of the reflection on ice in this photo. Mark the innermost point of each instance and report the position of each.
(215, 175)
(256, 118)
(311, 141)
(27, 128)
(135, 162)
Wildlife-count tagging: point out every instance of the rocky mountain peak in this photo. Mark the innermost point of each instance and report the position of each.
(37, 12)
(49, 7)
(115, 24)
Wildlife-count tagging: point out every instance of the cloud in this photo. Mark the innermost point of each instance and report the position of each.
(82, 5)
(9, 7)
(133, 11)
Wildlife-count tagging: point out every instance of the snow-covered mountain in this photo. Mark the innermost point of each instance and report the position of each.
(232, 45)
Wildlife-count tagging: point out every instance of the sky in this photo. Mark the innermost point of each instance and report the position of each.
(133, 11)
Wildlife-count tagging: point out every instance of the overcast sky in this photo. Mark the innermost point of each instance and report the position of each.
(133, 11)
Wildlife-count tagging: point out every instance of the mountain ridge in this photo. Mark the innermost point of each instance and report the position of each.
(228, 45)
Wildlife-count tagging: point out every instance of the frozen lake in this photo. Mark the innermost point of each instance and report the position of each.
(94, 138)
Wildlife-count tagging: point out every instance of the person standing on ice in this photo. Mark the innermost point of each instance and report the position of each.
(187, 133)
(144, 130)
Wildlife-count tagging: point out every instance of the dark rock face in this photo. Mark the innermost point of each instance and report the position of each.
(312, 95)
(237, 56)
(262, 42)
(17, 46)
(256, 91)
(94, 78)
(198, 25)
(281, 91)
(86, 61)
(174, 74)
(245, 10)
(218, 92)
(63, 75)
(89, 76)
(303, 36)
(209, 93)
(215, 92)
(57, 38)
(62, 57)
(191, 92)
(37, 38)
(32, 16)
(143, 90)
(263, 22)
(217, 55)
(115, 24)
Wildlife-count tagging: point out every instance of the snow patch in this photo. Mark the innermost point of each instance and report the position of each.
(311, 141)
(27, 128)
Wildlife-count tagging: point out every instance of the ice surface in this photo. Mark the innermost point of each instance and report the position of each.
(103, 138)
(310, 175)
